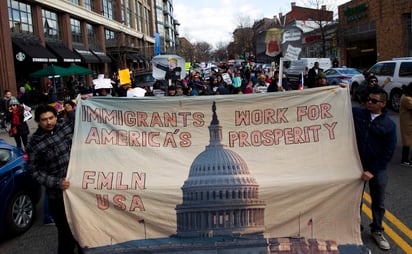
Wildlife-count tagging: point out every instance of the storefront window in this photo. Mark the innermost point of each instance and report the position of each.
(108, 8)
(76, 30)
(75, 1)
(109, 37)
(20, 17)
(50, 25)
(139, 17)
(91, 34)
(88, 4)
(122, 11)
(136, 15)
(147, 29)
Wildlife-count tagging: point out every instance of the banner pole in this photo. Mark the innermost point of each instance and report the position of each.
(280, 72)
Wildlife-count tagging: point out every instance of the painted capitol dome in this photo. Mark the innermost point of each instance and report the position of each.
(220, 196)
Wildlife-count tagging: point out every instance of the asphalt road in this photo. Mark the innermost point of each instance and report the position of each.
(41, 239)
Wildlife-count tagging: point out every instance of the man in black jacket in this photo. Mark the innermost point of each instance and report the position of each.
(313, 74)
(49, 155)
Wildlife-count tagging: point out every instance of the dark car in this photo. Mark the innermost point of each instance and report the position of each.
(143, 79)
(340, 75)
(19, 192)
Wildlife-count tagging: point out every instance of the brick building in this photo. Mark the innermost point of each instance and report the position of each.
(101, 35)
(372, 30)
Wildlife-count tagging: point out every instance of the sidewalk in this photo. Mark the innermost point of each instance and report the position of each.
(10, 140)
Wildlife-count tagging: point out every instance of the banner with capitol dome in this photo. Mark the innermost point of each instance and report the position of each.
(252, 173)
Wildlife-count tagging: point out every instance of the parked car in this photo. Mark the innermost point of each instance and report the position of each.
(354, 83)
(339, 75)
(19, 192)
(393, 74)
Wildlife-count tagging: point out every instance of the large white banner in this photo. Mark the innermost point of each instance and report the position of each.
(163, 172)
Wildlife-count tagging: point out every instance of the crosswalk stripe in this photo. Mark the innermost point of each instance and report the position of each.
(390, 232)
(402, 227)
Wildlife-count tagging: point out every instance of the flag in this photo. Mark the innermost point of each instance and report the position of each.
(141, 221)
(157, 50)
(302, 82)
(310, 222)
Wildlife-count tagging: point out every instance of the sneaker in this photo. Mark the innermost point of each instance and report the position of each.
(381, 240)
(406, 163)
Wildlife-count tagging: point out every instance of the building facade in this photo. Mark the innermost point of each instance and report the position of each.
(319, 32)
(166, 27)
(372, 30)
(103, 35)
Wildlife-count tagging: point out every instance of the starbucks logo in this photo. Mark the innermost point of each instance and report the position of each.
(20, 56)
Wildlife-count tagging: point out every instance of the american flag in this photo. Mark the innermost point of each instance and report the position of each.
(302, 82)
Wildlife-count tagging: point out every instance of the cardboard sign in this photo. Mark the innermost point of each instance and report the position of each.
(124, 76)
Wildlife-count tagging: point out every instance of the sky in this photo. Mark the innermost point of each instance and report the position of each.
(213, 21)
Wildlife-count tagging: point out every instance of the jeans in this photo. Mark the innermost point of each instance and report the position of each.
(20, 139)
(377, 186)
(47, 218)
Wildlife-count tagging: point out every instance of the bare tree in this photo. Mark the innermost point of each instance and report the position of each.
(243, 38)
(186, 50)
(244, 21)
(321, 17)
(220, 54)
(202, 51)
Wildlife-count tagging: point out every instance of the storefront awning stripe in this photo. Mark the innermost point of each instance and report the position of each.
(30, 50)
(85, 54)
(64, 54)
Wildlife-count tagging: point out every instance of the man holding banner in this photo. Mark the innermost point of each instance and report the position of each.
(376, 140)
(49, 155)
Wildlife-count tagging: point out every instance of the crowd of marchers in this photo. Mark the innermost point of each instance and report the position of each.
(241, 79)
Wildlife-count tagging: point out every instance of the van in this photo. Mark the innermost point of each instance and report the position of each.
(294, 69)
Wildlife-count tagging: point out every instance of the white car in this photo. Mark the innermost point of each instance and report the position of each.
(393, 74)
(355, 82)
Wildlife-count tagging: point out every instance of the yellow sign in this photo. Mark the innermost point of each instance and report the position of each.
(187, 66)
(124, 76)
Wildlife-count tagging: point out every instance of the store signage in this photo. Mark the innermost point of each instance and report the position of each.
(20, 56)
(356, 13)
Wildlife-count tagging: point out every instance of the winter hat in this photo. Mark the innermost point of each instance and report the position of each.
(14, 101)
(372, 77)
(321, 75)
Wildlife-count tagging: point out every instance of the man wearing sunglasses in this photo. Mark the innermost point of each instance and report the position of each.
(376, 139)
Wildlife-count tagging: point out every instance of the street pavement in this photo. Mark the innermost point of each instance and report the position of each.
(10, 140)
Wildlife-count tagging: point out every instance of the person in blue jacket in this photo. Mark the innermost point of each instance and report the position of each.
(376, 140)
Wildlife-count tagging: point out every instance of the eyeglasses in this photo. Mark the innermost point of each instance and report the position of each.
(374, 101)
